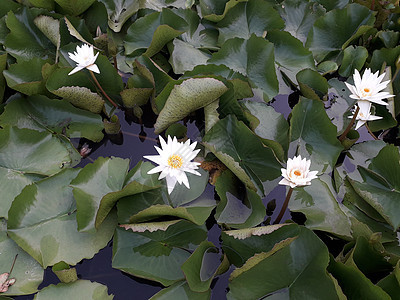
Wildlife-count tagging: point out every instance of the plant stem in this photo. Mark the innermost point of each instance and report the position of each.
(101, 89)
(370, 132)
(139, 136)
(12, 266)
(344, 134)
(284, 207)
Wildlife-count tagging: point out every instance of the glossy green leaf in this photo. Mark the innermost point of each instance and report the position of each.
(247, 18)
(240, 245)
(8, 5)
(286, 270)
(30, 151)
(234, 144)
(354, 283)
(184, 57)
(391, 283)
(299, 17)
(187, 97)
(313, 134)
(180, 290)
(152, 32)
(74, 7)
(321, 208)
(48, 4)
(381, 184)
(353, 58)
(41, 113)
(24, 32)
(269, 125)
(253, 58)
(312, 84)
(27, 271)
(156, 255)
(216, 10)
(80, 289)
(42, 221)
(201, 267)
(290, 54)
(236, 208)
(50, 28)
(332, 4)
(337, 29)
(119, 11)
(92, 185)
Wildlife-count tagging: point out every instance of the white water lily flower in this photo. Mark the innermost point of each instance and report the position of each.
(173, 161)
(85, 58)
(368, 87)
(364, 114)
(297, 172)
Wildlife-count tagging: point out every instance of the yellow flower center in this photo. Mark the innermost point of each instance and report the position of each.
(365, 92)
(297, 173)
(175, 161)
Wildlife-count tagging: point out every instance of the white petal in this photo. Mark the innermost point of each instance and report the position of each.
(76, 69)
(93, 68)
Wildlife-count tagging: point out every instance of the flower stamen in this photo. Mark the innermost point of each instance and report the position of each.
(175, 161)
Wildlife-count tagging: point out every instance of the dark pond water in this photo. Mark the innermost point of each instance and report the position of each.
(125, 286)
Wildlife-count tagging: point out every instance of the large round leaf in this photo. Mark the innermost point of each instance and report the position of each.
(242, 152)
(41, 113)
(254, 58)
(80, 289)
(187, 97)
(180, 290)
(119, 11)
(337, 29)
(246, 18)
(74, 7)
(92, 185)
(313, 134)
(42, 221)
(287, 271)
(156, 255)
(27, 271)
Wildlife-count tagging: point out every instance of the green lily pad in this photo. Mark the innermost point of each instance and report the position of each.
(353, 58)
(156, 255)
(92, 185)
(201, 267)
(216, 11)
(187, 97)
(337, 29)
(27, 271)
(24, 32)
(247, 18)
(237, 209)
(321, 208)
(242, 152)
(253, 58)
(74, 7)
(50, 28)
(180, 290)
(391, 283)
(312, 84)
(80, 289)
(42, 221)
(269, 125)
(286, 270)
(41, 113)
(299, 17)
(380, 188)
(313, 134)
(119, 11)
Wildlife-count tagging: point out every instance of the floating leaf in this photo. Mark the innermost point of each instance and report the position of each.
(151, 227)
(247, 18)
(242, 152)
(253, 58)
(337, 29)
(80, 289)
(27, 271)
(119, 11)
(201, 267)
(187, 97)
(24, 32)
(156, 255)
(41, 113)
(237, 209)
(286, 270)
(314, 135)
(81, 97)
(180, 289)
(94, 182)
(312, 84)
(74, 7)
(50, 27)
(321, 208)
(216, 11)
(42, 221)
(353, 58)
